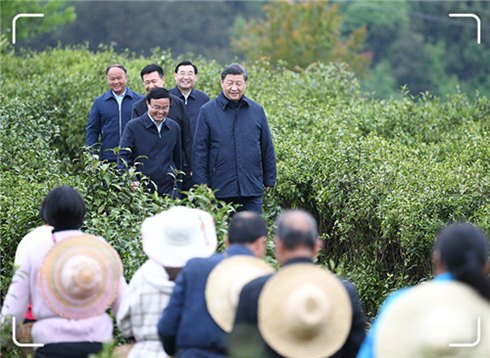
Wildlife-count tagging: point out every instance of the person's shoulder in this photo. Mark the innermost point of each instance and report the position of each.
(256, 285)
(176, 100)
(172, 124)
(201, 94)
(103, 96)
(135, 95)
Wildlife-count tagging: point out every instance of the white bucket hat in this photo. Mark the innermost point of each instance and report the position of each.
(174, 236)
(225, 282)
(304, 312)
(428, 318)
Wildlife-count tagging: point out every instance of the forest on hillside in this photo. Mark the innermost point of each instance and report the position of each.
(413, 43)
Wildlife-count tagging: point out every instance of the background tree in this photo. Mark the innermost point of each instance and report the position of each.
(56, 13)
(301, 33)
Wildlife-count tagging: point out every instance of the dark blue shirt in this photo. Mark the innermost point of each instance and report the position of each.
(186, 322)
(193, 104)
(163, 150)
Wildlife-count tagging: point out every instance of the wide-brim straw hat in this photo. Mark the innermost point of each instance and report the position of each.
(225, 282)
(304, 312)
(174, 236)
(424, 321)
(80, 277)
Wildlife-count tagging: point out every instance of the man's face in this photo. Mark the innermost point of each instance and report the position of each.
(233, 87)
(185, 78)
(117, 79)
(158, 108)
(152, 80)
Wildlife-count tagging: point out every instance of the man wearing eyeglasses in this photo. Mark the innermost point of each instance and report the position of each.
(153, 77)
(110, 113)
(153, 140)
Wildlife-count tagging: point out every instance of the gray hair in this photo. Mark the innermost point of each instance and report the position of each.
(297, 228)
(234, 69)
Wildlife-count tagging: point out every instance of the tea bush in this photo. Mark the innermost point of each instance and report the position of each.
(381, 177)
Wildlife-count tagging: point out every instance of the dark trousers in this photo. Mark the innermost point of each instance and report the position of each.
(68, 350)
(249, 203)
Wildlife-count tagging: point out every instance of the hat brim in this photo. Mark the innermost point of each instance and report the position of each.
(51, 270)
(426, 319)
(225, 283)
(273, 306)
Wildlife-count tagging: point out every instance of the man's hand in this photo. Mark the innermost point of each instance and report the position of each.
(268, 187)
(134, 185)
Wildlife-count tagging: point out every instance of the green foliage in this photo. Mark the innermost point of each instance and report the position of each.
(56, 13)
(380, 176)
(301, 33)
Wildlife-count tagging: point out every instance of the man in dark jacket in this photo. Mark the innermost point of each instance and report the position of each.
(153, 77)
(186, 328)
(296, 244)
(110, 113)
(233, 150)
(156, 137)
(185, 78)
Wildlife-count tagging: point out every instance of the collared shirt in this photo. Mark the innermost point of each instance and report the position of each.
(159, 126)
(119, 98)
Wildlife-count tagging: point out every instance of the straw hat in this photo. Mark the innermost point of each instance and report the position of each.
(174, 236)
(425, 320)
(304, 312)
(225, 282)
(80, 277)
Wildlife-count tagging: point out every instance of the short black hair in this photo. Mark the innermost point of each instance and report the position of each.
(302, 231)
(186, 63)
(246, 227)
(63, 208)
(234, 69)
(152, 68)
(115, 65)
(157, 93)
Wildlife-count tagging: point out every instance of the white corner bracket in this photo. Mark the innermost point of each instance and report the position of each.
(478, 24)
(14, 20)
(478, 337)
(14, 338)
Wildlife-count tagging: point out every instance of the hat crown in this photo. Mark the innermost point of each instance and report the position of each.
(81, 277)
(309, 307)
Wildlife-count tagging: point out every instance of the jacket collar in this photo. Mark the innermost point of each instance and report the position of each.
(176, 92)
(148, 123)
(108, 95)
(238, 249)
(223, 101)
(299, 260)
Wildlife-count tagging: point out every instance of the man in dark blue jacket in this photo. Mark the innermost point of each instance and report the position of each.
(156, 137)
(185, 78)
(186, 328)
(297, 243)
(110, 113)
(233, 150)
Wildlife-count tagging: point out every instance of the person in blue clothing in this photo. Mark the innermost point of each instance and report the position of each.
(233, 150)
(186, 328)
(154, 139)
(110, 114)
(460, 253)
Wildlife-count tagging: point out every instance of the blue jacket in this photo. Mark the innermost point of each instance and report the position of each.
(186, 322)
(233, 149)
(193, 104)
(163, 150)
(107, 120)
